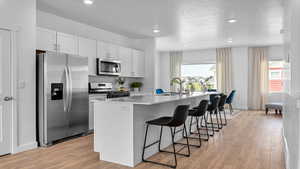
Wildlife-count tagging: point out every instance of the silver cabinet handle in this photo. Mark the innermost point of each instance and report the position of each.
(8, 98)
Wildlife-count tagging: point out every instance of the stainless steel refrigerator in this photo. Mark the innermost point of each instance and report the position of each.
(62, 96)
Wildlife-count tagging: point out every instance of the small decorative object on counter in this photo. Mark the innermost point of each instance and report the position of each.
(121, 82)
(136, 86)
(180, 81)
(205, 83)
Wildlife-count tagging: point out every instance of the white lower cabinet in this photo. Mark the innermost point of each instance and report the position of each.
(91, 107)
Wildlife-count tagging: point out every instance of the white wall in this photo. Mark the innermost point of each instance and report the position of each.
(22, 15)
(199, 56)
(240, 69)
(291, 117)
(60, 24)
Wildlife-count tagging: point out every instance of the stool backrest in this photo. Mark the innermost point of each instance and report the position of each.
(180, 115)
(222, 100)
(230, 97)
(214, 103)
(202, 108)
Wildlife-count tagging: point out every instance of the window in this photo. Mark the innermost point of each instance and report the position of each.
(200, 71)
(276, 76)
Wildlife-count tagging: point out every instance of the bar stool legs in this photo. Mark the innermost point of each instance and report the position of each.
(174, 152)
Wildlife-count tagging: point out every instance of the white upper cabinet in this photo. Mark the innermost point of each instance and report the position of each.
(46, 39)
(138, 63)
(67, 43)
(125, 55)
(107, 50)
(88, 48)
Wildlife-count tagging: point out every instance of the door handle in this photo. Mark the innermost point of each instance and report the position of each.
(8, 98)
(66, 99)
(70, 89)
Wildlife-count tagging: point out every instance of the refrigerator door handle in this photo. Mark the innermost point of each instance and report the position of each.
(66, 99)
(70, 86)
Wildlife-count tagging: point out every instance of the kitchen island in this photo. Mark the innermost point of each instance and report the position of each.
(120, 125)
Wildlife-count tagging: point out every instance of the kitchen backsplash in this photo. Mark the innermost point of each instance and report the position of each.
(112, 79)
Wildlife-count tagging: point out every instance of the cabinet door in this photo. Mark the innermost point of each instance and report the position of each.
(102, 50)
(107, 50)
(125, 55)
(46, 39)
(138, 62)
(67, 43)
(113, 51)
(88, 48)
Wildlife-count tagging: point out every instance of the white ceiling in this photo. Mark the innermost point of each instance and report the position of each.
(184, 24)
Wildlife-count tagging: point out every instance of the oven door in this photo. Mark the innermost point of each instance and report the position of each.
(108, 67)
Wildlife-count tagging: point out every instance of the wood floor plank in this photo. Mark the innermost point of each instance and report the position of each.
(252, 140)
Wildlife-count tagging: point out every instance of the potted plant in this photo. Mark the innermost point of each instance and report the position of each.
(121, 82)
(136, 86)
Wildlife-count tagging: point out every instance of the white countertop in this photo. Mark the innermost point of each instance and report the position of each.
(152, 99)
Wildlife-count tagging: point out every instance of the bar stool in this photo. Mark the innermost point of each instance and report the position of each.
(178, 119)
(196, 113)
(213, 109)
(221, 108)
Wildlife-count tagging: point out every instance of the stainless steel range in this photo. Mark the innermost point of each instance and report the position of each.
(106, 88)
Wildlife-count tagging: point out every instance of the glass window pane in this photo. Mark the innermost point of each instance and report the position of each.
(276, 76)
(200, 71)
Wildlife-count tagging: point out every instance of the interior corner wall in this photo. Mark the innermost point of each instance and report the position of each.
(22, 16)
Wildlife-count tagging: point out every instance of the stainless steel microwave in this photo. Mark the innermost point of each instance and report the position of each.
(108, 67)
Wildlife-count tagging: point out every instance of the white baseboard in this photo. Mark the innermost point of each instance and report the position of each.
(25, 147)
(286, 152)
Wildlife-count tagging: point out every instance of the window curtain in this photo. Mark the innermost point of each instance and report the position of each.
(175, 67)
(258, 78)
(224, 70)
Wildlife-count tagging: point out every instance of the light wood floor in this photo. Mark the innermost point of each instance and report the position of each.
(252, 140)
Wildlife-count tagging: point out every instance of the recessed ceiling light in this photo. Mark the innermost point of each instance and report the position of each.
(88, 2)
(232, 20)
(229, 40)
(156, 29)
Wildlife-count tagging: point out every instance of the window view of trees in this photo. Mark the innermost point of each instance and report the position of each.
(199, 77)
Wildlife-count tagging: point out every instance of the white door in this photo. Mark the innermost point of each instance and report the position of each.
(5, 93)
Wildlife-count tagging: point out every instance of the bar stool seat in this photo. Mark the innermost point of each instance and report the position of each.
(162, 121)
